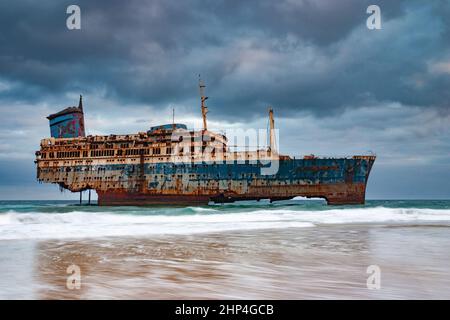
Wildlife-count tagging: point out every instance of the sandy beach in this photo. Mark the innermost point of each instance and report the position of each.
(326, 262)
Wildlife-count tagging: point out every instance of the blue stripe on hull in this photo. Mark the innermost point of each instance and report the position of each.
(322, 171)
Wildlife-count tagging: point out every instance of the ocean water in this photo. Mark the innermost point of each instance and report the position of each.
(294, 249)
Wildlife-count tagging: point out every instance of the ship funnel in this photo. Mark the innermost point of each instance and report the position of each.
(68, 123)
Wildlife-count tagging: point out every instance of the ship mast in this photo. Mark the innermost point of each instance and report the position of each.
(272, 146)
(202, 87)
(173, 118)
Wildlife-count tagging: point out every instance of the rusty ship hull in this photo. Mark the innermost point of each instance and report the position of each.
(144, 182)
(170, 164)
(296, 178)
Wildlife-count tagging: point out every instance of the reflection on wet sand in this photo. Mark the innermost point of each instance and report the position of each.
(273, 264)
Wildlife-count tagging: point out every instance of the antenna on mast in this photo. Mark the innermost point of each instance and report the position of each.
(202, 87)
(80, 103)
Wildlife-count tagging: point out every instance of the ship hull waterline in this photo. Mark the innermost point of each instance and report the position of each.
(334, 194)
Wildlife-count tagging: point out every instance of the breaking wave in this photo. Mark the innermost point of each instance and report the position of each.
(141, 222)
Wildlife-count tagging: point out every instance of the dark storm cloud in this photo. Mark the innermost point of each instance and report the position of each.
(298, 55)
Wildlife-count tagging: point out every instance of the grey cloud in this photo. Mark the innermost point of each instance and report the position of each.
(249, 52)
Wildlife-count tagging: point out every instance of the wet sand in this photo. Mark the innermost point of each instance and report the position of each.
(324, 262)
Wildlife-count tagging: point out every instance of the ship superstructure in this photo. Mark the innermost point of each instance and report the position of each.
(170, 164)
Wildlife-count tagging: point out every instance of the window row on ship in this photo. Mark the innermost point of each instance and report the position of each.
(103, 153)
(123, 152)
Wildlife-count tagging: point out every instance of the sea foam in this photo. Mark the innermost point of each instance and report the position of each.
(191, 220)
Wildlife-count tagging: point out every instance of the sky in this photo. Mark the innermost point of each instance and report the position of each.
(337, 88)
